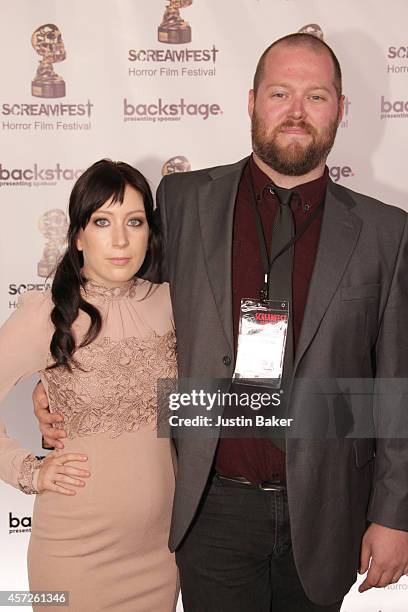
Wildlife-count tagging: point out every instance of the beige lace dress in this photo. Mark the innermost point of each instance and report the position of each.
(107, 545)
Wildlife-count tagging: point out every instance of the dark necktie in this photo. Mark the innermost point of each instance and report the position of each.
(280, 278)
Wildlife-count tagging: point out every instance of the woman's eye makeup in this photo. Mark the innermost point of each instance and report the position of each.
(103, 222)
(135, 222)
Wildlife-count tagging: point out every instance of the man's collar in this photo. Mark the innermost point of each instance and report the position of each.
(311, 193)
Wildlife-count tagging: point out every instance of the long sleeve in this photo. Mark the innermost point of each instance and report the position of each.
(389, 501)
(24, 343)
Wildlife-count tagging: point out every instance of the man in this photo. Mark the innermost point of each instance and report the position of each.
(256, 528)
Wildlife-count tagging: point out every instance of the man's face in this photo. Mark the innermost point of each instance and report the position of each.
(296, 111)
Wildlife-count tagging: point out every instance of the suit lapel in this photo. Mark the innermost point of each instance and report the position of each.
(338, 237)
(216, 205)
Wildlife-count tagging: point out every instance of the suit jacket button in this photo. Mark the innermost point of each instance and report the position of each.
(226, 360)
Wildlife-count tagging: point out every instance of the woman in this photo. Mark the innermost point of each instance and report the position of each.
(100, 342)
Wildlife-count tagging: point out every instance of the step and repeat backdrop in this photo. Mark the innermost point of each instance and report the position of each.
(163, 85)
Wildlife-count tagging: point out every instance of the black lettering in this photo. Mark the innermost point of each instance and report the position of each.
(13, 521)
(26, 521)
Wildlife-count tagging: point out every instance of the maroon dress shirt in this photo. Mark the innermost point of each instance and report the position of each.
(258, 459)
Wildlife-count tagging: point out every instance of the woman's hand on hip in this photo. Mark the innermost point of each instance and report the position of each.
(55, 475)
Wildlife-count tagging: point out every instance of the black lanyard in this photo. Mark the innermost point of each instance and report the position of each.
(267, 262)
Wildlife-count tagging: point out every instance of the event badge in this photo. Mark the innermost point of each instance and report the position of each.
(263, 328)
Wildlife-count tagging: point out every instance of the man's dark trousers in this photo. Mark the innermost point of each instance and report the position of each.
(237, 556)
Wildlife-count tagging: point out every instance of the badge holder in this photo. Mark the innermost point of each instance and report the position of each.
(263, 328)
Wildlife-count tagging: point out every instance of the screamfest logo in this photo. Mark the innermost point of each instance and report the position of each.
(168, 111)
(398, 59)
(47, 42)
(47, 116)
(33, 116)
(313, 29)
(53, 225)
(394, 109)
(16, 289)
(186, 62)
(36, 176)
(173, 29)
(179, 163)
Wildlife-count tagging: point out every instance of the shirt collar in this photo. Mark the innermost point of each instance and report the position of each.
(311, 193)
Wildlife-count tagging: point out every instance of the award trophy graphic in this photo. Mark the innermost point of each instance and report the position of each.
(176, 164)
(53, 225)
(47, 42)
(313, 29)
(173, 29)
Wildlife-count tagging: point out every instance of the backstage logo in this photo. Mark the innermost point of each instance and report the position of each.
(340, 172)
(168, 111)
(16, 289)
(397, 57)
(19, 524)
(393, 109)
(36, 175)
(179, 163)
(46, 115)
(179, 61)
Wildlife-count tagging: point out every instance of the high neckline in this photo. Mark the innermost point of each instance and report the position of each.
(94, 289)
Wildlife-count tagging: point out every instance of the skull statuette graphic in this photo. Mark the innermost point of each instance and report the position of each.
(47, 42)
(176, 164)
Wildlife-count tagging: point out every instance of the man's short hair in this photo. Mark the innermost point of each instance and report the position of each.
(301, 40)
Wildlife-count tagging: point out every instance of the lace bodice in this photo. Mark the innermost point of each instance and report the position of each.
(114, 386)
(117, 389)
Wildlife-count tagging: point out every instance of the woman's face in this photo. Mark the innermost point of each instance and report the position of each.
(114, 242)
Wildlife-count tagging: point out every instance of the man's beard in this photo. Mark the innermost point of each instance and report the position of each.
(292, 159)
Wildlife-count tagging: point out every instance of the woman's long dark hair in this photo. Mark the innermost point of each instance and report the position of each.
(103, 181)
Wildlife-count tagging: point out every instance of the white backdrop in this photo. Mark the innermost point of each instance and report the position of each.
(115, 70)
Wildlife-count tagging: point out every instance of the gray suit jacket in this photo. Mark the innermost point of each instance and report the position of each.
(355, 326)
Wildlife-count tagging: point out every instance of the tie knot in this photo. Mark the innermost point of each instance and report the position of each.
(284, 195)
